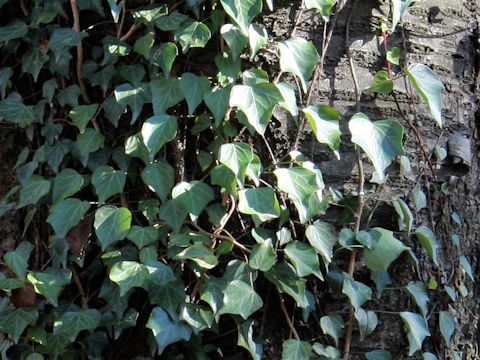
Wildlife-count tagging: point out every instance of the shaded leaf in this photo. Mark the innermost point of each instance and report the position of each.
(236, 156)
(128, 274)
(296, 349)
(71, 323)
(108, 182)
(381, 83)
(284, 277)
(263, 256)
(321, 236)
(157, 131)
(429, 241)
(17, 260)
(193, 89)
(79, 235)
(332, 325)
(245, 340)
(66, 183)
(357, 292)
(419, 294)
(15, 321)
(417, 330)
(386, 250)
(66, 214)
(447, 326)
(304, 258)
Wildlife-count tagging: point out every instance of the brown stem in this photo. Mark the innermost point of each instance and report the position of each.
(80, 289)
(287, 317)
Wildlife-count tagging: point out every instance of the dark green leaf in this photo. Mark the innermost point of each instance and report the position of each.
(15, 111)
(50, 282)
(164, 56)
(193, 88)
(324, 121)
(134, 97)
(357, 292)
(261, 203)
(263, 256)
(173, 213)
(66, 214)
(429, 242)
(321, 236)
(157, 131)
(245, 340)
(367, 322)
(296, 349)
(378, 355)
(128, 274)
(386, 250)
(88, 142)
(14, 321)
(235, 39)
(33, 190)
(66, 183)
(33, 61)
(200, 254)
(17, 260)
(287, 281)
(193, 196)
(108, 182)
(71, 323)
(14, 30)
(160, 178)
(236, 156)
(241, 299)
(332, 325)
(304, 258)
(111, 224)
(192, 35)
(242, 12)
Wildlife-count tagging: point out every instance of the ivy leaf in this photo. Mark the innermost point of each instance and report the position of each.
(193, 35)
(417, 330)
(198, 317)
(235, 39)
(430, 88)
(134, 146)
(144, 236)
(419, 294)
(324, 121)
(165, 330)
(50, 282)
(296, 349)
(66, 183)
(108, 182)
(299, 57)
(329, 352)
(289, 102)
(134, 97)
(159, 177)
(15, 111)
(419, 198)
(173, 213)
(381, 140)
(17, 260)
(378, 355)
(447, 326)
(357, 292)
(405, 216)
(240, 299)
(212, 292)
(157, 131)
(245, 340)
(261, 203)
(150, 14)
(33, 61)
(381, 83)
(62, 39)
(256, 102)
(200, 254)
(242, 12)
(257, 37)
(429, 242)
(429, 356)
(465, 264)
(393, 56)
(164, 56)
(332, 325)
(88, 142)
(111, 224)
(284, 277)
(236, 156)
(66, 215)
(15, 321)
(217, 100)
(128, 274)
(71, 323)
(263, 256)
(194, 89)
(386, 250)
(399, 7)
(33, 190)
(324, 7)
(166, 92)
(14, 30)
(193, 196)
(367, 322)
(304, 258)
(82, 114)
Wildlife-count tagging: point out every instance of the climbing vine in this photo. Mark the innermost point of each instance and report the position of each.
(156, 214)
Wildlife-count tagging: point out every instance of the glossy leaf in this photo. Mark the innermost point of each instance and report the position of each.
(159, 177)
(367, 322)
(33, 61)
(417, 330)
(324, 121)
(193, 196)
(357, 292)
(66, 215)
(245, 340)
(82, 114)
(217, 100)
(16, 112)
(236, 156)
(193, 35)
(128, 274)
(235, 39)
(241, 299)
(332, 325)
(15, 321)
(386, 250)
(87, 143)
(381, 83)
(200, 254)
(111, 224)
(429, 242)
(321, 236)
(465, 264)
(304, 258)
(17, 260)
(134, 97)
(157, 131)
(289, 102)
(261, 203)
(257, 37)
(263, 256)
(108, 182)
(242, 12)
(50, 283)
(324, 7)
(284, 277)
(166, 92)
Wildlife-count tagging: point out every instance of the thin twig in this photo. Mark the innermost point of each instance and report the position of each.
(80, 289)
(287, 317)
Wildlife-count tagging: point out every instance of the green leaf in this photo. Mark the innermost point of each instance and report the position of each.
(8, 284)
(429, 356)
(194, 89)
(157, 131)
(144, 236)
(193, 196)
(134, 97)
(399, 7)
(66, 215)
(198, 317)
(393, 56)
(200, 254)
(217, 100)
(50, 282)
(245, 340)
(240, 299)
(367, 322)
(15, 321)
(71, 323)
(173, 213)
(287, 281)
(299, 57)
(111, 224)
(33, 190)
(332, 325)
(381, 83)
(134, 146)
(405, 216)
(357, 292)
(242, 12)
(236, 156)
(429, 242)
(166, 92)
(69, 96)
(263, 256)
(289, 97)
(235, 39)
(33, 61)
(193, 35)
(164, 56)
(62, 39)
(82, 114)
(256, 102)
(17, 260)
(128, 274)
(417, 330)
(150, 14)
(66, 183)
(108, 182)
(381, 140)
(430, 88)
(5, 75)
(261, 203)
(386, 250)
(160, 178)
(304, 258)
(329, 352)
(419, 294)
(15, 111)
(296, 349)
(324, 121)
(324, 7)
(88, 142)
(447, 326)
(212, 292)
(257, 37)
(378, 355)
(165, 330)
(465, 264)
(14, 30)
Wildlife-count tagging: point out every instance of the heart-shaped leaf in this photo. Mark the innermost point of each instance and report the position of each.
(50, 283)
(417, 330)
(324, 121)
(304, 258)
(108, 182)
(236, 156)
(241, 299)
(447, 326)
(245, 340)
(66, 215)
(242, 12)
(71, 323)
(159, 177)
(429, 242)
(111, 224)
(66, 183)
(419, 294)
(261, 203)
(386, 250)
(296, 349)
(157, 131)
(332, 325)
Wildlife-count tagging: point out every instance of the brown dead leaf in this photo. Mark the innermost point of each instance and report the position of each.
(78, 236)
(24, 297)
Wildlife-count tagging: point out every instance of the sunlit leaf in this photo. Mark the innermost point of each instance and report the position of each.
(242, 12)
(417, 330)
(111, 224)
(429, 242)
